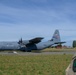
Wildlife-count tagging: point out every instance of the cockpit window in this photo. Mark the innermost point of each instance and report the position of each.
(74, 65)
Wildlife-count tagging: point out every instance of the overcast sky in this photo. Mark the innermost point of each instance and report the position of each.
(37, 18)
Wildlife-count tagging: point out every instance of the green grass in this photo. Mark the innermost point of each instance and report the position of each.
(58, 50)
(34, 65)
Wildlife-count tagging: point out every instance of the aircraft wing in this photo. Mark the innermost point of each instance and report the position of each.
(36, 40)
(30, 42)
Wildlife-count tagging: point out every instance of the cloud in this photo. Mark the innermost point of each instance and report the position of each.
(14, 32)
(50, 15)
(37, 18)
(39, 1)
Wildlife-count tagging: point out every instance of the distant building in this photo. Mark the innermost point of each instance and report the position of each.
(58, 46)
(65, 46)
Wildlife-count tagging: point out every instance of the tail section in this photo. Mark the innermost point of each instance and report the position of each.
(56, 37)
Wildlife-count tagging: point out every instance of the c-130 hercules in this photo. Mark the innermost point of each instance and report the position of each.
(33, 44)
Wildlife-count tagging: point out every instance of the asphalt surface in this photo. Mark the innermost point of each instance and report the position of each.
(37, 53)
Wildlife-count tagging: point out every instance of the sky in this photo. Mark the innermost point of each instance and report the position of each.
(37, 18)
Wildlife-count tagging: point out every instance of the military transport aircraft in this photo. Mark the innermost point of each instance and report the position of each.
(33, 44)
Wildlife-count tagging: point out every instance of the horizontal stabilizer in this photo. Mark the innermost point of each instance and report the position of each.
(60, 42)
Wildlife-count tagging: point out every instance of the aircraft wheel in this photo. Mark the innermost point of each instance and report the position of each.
(29, 51)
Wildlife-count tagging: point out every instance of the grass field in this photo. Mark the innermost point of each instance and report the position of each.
(34, 64)
(58, 50)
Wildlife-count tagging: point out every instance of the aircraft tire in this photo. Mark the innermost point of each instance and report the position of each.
(29, 51)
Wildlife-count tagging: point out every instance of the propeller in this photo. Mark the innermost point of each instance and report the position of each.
(20, 41)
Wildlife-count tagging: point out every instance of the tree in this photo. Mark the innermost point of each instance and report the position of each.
(74, 43)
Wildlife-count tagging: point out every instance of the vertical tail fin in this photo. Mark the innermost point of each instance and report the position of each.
(56, 36)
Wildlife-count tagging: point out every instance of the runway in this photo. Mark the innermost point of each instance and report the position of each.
(38, 53)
